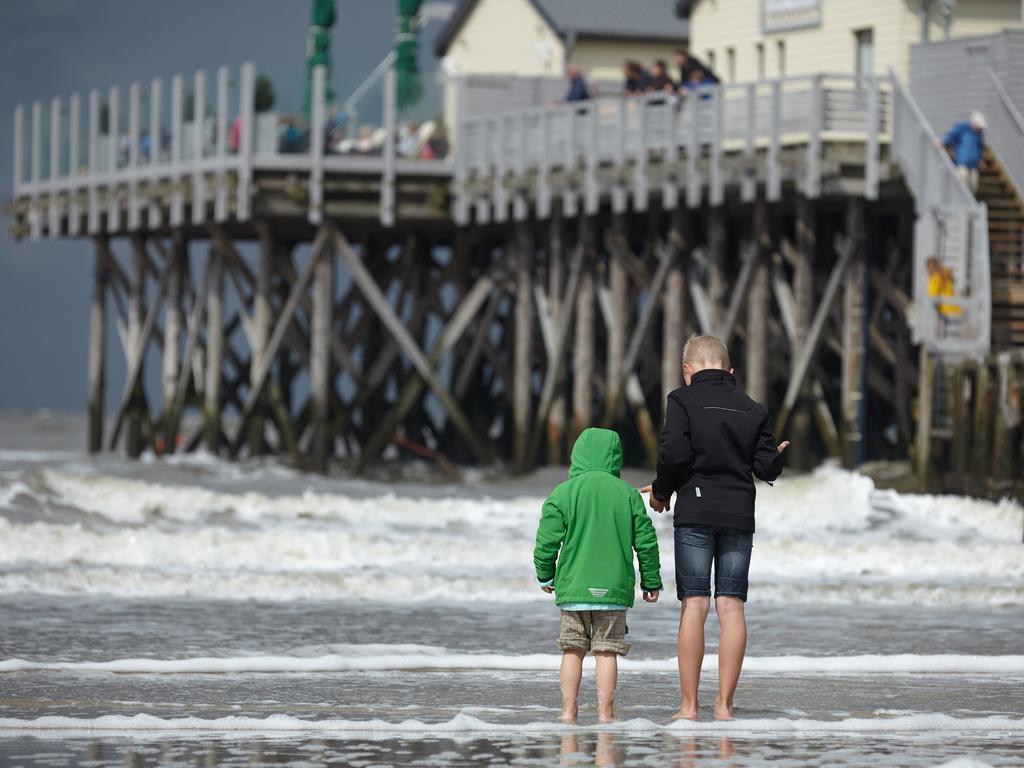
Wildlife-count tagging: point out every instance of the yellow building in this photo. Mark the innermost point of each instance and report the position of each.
(744, 40)
(538, 38)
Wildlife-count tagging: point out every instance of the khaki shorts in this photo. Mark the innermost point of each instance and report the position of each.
(598, 631)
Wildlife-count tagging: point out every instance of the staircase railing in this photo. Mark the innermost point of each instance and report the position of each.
(952, 227)
(1005, 132)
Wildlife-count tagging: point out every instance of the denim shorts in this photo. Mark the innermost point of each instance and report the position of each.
(697, 546)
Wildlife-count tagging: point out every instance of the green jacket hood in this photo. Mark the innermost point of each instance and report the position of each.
(598, 449)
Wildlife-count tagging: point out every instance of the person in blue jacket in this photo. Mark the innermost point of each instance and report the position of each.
(578, 88)
(966, 142)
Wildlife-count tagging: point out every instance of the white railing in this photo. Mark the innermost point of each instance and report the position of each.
(753, 120)
(1005, 132)
(145, 167)
(952, 226)
(150, 153)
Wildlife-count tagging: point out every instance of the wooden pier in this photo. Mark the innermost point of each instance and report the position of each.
(488, 306)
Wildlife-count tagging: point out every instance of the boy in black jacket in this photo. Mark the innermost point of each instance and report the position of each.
(715, 438)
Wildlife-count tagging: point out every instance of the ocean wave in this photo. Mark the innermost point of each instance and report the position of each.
(826, 537)
(416, 587)
(412, 658)
(934, 724)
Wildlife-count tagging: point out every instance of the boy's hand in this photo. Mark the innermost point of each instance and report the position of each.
(783, 445)
(651, 596)
(655, 503)
(549, 590)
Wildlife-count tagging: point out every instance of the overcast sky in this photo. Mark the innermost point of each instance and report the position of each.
(56, 47)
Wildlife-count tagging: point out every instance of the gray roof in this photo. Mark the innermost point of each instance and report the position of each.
(623, 19)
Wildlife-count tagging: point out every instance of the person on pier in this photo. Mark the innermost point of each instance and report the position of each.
(716, 440)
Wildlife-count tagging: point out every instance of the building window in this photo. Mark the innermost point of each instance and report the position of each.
(760, 61)
(780, 48)
(865, 62)
(711, 60)
(730, 64)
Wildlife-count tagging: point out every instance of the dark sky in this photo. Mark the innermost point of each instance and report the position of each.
(56, 47)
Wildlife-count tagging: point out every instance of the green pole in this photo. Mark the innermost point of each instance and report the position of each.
(319, 50)
(409, 86)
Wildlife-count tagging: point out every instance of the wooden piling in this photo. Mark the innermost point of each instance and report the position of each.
(557, 415)
(136, 313)
(172, 338)
(925, 409)
(854, 340)
(523, 355)
(718, 283)
(803, 304)
(757, 308)
(214, 351)
(618, 330)
(982, 418)
(320, 361)
(673, 332)
(261, 330)
(97, 349)
(583, 344)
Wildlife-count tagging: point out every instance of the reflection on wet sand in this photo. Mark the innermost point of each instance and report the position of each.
(693, 751)
(586, 749)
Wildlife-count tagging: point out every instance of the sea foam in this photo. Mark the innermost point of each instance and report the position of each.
(410, 658)
(933, 724)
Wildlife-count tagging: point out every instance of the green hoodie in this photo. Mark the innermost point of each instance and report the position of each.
(598, 520)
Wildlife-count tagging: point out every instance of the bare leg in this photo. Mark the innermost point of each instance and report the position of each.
(690, 649)
(571, 674)
(731, 648)
(607, 678)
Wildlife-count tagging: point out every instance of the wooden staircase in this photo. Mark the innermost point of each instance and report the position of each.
(1006, 247)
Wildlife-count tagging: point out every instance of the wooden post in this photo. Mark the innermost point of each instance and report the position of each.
(673, 331)
(522, 368)
(556, 417)
(961, 427)
(757, 309)
(320, 360)
(198, 148)
(618, 330)
(172, 336)
(261, 329)
(717, 281)
(136, 312)
(214, 350)
(97, 349)
(1001, 470)
(803, 295)
(674, 314)
(154, 214)
(925, 408)
(854, 336)
(583, 344)
(980, 461)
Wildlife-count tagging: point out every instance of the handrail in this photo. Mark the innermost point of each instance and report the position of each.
(1006, 131)
(952, 226)
(919, 176)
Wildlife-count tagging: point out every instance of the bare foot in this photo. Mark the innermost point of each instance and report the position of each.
(723, 710)
(569, 715)
(685, 713)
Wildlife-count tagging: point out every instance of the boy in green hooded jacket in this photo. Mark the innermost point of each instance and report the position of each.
(597, 520)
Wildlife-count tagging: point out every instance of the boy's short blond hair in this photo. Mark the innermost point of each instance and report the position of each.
(707, 351)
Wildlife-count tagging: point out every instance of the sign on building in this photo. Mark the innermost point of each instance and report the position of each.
(782, 15)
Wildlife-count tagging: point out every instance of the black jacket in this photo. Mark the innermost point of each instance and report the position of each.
(715, 438)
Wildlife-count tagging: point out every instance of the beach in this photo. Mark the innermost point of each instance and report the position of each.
(186, 609)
